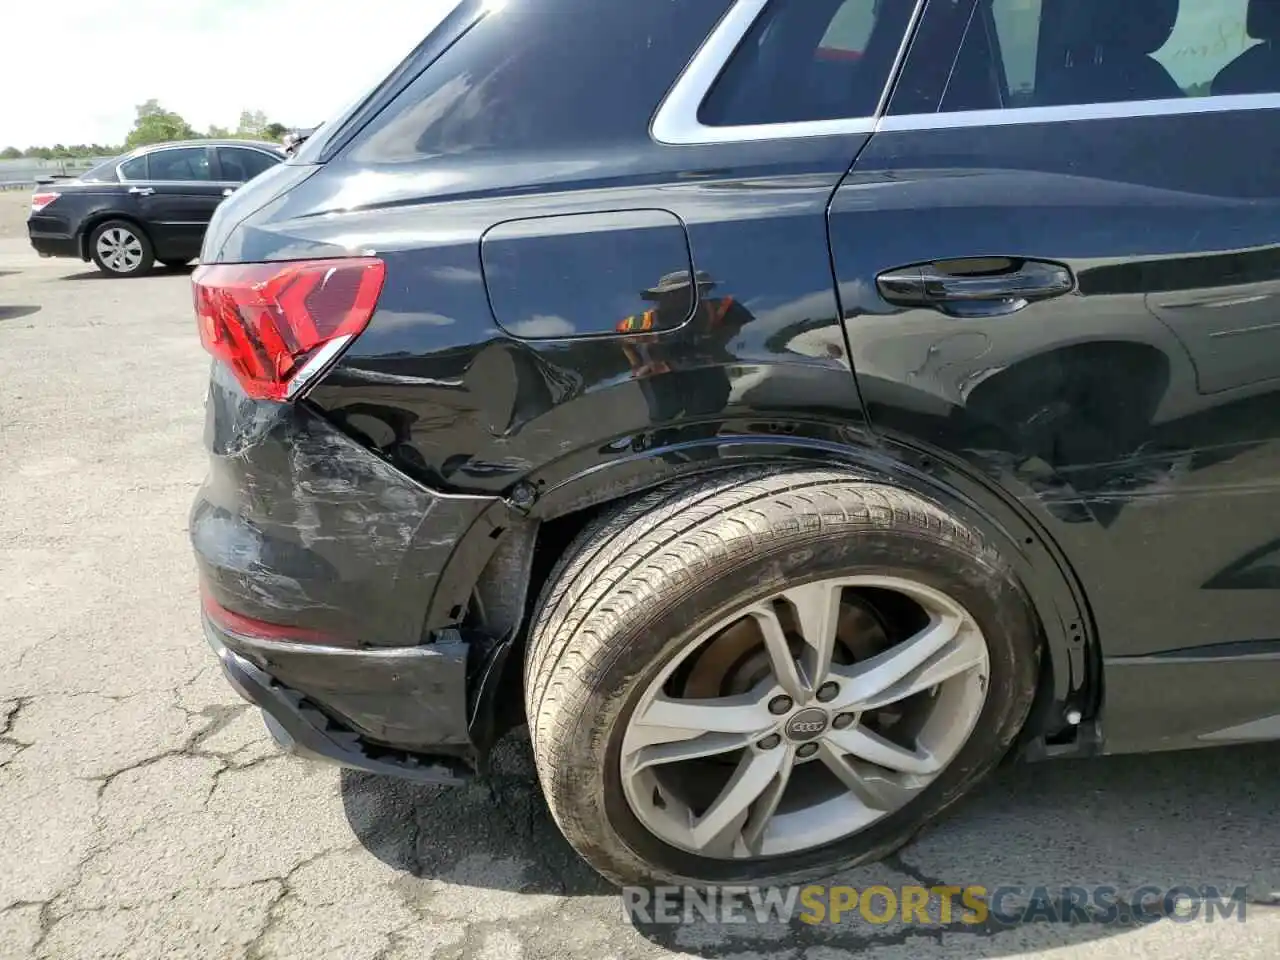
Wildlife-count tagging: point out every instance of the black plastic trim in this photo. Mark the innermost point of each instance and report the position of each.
(307, 732)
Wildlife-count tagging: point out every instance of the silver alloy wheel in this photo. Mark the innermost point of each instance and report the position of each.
(802, 757)
(120, 250)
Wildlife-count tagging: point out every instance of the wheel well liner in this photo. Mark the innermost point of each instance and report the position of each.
(561, 510)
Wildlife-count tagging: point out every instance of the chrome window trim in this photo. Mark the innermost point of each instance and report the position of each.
(1120, 110)
(244, 146)
(676, 121)
(184, 183)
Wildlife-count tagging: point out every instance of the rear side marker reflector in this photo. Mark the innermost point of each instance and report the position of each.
(243, 626)
(279, 325)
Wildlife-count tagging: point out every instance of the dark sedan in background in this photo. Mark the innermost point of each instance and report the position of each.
(153, 204)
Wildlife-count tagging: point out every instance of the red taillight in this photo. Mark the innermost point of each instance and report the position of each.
(277, 325)
(41, 200)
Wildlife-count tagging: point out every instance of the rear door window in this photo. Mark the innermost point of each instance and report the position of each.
(181, 164)
(846, 38)
(1214, 41)
(1018, 33)
(815, 60)
(240, 164)
(1039, 53)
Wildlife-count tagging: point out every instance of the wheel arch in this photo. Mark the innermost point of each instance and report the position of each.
(94, 221)
(525, 534)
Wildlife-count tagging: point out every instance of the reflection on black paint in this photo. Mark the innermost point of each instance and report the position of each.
(555, 277)
(1222, 308)
(1257, 570)
(1086, 411)
(1173, 273)
(692, 381)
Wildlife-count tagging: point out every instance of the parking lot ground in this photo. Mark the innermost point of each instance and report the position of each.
(145, 813)
(14, 205)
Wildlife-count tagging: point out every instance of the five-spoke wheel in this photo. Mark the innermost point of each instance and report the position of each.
(821, 745)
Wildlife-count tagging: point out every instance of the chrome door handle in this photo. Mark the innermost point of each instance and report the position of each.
(971, 288)
(143, 191)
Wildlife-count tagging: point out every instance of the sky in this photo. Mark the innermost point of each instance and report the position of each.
(76, 74)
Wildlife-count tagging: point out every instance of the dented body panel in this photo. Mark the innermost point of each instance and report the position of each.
(298, 525)
(1118, 445)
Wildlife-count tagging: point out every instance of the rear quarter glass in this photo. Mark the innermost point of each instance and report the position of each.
(457, 16)
(542, 75)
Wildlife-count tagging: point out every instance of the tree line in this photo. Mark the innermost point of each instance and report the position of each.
(155, 124)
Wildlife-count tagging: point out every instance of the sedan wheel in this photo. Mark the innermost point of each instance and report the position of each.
(120, 249)
(771, 675)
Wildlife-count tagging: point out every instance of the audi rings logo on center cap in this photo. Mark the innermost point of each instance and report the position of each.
(806, 724)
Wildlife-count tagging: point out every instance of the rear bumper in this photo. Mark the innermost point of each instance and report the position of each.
(298, 525)
(319, 562)
(301, 727)
(54, 245)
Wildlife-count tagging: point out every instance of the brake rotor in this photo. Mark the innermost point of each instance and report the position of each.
(735, 660)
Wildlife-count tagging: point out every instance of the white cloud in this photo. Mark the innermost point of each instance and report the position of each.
(297, 60)
(542, 327)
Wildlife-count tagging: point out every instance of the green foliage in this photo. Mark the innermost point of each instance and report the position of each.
(157, 125)
(253, 125)
(58, 151)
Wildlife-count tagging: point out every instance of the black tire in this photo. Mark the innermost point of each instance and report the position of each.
(144, 262)
(176, 264)
(644, 579)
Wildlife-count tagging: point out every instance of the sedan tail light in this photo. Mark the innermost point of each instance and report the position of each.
(41, 200)
(279, 325)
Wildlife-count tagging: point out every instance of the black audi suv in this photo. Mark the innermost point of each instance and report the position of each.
(786, 409)
(153, 204)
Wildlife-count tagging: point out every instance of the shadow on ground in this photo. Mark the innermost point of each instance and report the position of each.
(14, 313)
(1166, 820)
(158, 271)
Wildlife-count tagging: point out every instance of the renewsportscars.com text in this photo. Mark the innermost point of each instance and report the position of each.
(974, 905)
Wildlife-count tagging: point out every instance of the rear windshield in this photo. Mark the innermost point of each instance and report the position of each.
(543, 75)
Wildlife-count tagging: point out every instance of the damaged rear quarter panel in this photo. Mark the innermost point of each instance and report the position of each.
(298, 525)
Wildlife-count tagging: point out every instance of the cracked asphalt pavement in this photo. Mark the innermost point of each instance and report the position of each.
(144, 811)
